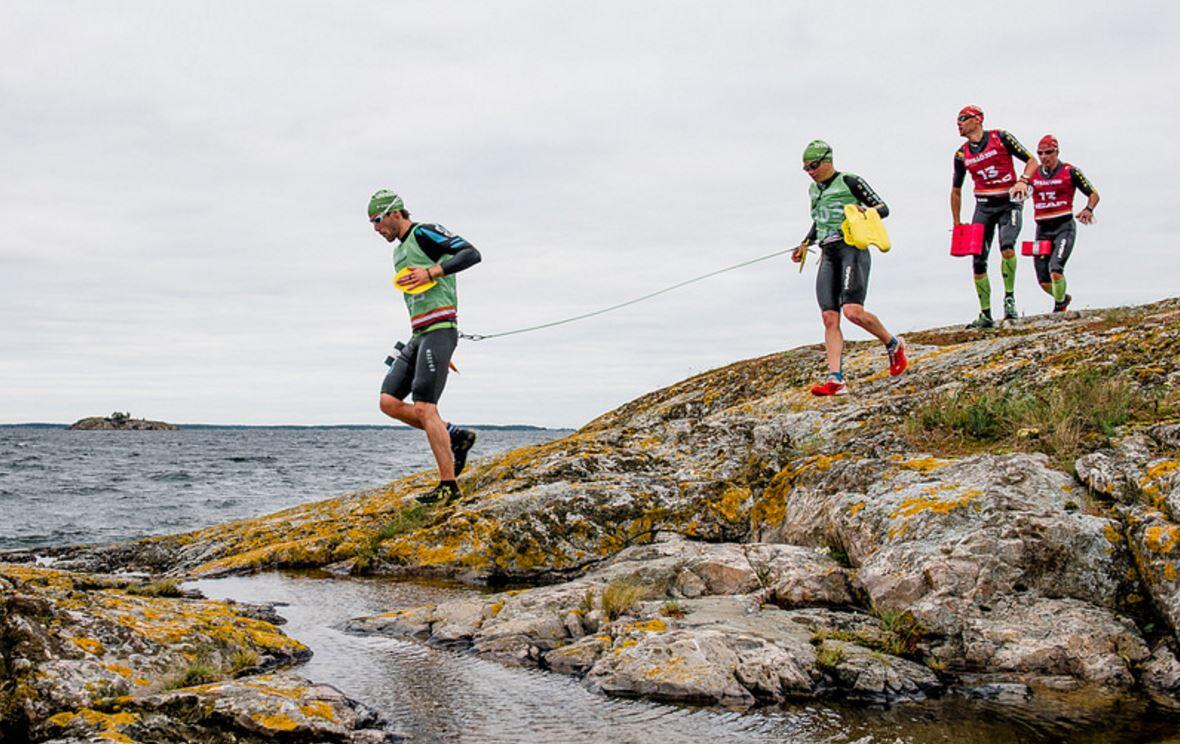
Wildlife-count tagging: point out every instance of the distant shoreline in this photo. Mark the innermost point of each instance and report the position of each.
(478, 427)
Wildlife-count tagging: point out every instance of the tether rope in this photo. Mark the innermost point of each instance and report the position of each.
(583, 316)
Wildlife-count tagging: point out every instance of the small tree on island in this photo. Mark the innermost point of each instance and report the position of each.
(119, 416)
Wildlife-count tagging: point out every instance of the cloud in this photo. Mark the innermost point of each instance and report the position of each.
(182, 207)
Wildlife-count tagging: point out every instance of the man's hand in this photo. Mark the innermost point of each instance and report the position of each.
(415, 278)
(799, 252)
(1019, 191)
(1086, 216)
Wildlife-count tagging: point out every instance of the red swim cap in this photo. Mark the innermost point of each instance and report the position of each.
(973, 111)
(1048, 142)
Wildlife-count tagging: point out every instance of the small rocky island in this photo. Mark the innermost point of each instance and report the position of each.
(122, 421)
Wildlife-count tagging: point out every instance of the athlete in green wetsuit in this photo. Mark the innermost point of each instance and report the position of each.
(433, 255)
(843, 278)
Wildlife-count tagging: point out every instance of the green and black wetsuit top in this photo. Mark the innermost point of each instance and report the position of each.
(425, 245)
(827, 205)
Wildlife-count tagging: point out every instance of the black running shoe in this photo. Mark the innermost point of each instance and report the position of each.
(1061, 306)
(440, 493)
(982, 321)
(461, 443)
(1010, 309)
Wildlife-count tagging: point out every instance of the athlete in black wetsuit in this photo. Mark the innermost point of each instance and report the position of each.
(430, 256)
(1054, 184)
(843, 278)
(999, 194)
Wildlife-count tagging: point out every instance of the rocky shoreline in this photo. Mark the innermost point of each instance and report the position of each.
(1003, 521)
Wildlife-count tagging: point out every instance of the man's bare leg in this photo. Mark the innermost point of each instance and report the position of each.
(833, 339)
(866, 320)
(400, 410)
(440, 440)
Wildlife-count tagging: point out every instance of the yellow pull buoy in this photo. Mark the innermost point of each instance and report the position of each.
(416, 290)
(864, 229)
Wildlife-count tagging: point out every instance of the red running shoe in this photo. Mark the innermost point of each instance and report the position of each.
(831, 387)
(897, 360)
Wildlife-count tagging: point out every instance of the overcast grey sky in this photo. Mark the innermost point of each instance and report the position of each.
(182, 209)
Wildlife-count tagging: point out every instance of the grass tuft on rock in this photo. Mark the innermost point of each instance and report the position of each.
(196, 673)
(403, 522)
(829, 657)
(243, 659)
(621, 595)
(1061, 418)
(673, 608)
(161, 588)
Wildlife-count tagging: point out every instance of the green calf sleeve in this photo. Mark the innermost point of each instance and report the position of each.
(1059, 289)
(1008, 269)
(983, 288)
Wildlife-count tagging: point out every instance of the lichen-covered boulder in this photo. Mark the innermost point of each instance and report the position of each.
(265, 708)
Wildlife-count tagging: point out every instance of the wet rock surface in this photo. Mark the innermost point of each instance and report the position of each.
(106, 657)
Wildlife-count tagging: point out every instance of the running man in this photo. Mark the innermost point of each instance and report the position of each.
(987, 155)
(1053, 187)
(843, 279)
(433, 254)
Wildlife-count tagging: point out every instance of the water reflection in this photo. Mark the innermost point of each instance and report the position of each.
(434, 694)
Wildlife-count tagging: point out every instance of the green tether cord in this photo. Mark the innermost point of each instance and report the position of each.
(482, 336)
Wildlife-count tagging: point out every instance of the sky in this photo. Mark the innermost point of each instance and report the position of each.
(182, 209)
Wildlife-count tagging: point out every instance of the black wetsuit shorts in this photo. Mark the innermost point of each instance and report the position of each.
(996, 212)
(421, 367)
(1061, 231)
(843, 277)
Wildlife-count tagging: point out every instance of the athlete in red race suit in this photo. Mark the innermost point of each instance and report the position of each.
(1053, 187)
(987, 156)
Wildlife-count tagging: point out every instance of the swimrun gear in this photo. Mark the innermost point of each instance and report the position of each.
(990, 163)
(843, 276)
(1061, 232)
(983, 321)
(827, 205)
(897, 359)
(971, 112)
(1048, 142)
(462, 440)
(421, 366)
(423, 246)
(383, 202)
(832, 386)
(817, 150)
(445, 492)
(1053, 191)
(996, 214)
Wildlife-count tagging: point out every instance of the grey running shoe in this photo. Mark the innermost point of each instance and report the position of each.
(461, 443)
(440, 493)
(1010, 309)
(981, 322)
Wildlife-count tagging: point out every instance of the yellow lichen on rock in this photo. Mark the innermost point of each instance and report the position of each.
(318, 709)
(1161, 538)
(275, 721)
(655, 625)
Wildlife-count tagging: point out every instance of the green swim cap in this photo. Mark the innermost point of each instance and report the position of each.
(817, 150)
(384, 202)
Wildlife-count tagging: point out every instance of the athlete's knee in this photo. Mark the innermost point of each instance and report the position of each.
(389, 405)
(831, 318)
(1008, 252)
(426, 411)
(855, 313)
(1057, 276)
